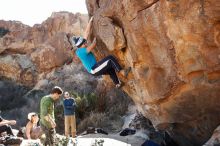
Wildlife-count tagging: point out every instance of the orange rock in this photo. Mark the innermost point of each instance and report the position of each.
(26, 52)
(173, 49)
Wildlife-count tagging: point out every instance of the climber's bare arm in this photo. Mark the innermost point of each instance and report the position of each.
(88, 29)
(92, 46)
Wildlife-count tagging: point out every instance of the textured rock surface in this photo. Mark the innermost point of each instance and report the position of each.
(26, 52)
(173, 47)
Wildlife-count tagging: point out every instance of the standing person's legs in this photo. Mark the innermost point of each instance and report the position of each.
(73, 126)
(67, 125)
(46, 132)
(50, 136)
(6, 128)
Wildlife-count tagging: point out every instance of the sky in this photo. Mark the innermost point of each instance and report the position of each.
(31, 12)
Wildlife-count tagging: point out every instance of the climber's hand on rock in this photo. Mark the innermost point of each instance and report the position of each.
(94, 41)
(91, 19)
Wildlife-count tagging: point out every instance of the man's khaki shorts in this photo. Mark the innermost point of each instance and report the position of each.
(70, 122)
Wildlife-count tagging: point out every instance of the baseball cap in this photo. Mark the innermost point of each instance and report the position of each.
(77, 41)
(30, 115)
(66, 93)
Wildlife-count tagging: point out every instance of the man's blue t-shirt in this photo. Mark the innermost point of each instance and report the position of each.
(88, 59)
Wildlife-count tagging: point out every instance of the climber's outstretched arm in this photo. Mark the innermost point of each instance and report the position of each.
(88, 29)
(92, 46)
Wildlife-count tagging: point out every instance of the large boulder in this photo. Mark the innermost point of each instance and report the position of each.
(173, 47)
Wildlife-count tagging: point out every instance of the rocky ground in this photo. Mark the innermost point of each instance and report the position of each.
(122, 141)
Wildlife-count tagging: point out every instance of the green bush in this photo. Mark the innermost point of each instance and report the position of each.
(86, 103)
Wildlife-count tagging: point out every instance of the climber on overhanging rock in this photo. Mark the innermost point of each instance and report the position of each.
(108, 65)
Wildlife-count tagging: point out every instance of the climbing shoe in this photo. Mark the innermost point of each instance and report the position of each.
(119, 85)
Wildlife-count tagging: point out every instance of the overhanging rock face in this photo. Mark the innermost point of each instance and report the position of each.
(173, 47)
